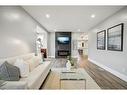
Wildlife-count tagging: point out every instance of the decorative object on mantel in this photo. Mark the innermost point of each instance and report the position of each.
(115, 37)
(101, 39)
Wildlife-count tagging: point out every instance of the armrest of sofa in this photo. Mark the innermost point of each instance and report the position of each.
(15, 85)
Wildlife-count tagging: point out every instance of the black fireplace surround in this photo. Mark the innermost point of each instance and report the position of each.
(62, 44)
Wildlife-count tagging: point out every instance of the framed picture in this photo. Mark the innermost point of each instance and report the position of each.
(101, 37)
(115, 38)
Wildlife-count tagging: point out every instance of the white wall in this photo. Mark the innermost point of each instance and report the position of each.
(51, 41)
(75, 36)
(17, 31)
(114, 61)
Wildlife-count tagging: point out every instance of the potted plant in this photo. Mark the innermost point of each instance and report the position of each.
(70, 62)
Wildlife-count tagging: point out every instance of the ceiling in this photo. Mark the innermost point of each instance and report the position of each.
(70, 18)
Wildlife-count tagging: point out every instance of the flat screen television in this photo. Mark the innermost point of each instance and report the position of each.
(63, 40)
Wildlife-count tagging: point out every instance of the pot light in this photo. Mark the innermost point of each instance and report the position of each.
(47, 15)
(93, 16)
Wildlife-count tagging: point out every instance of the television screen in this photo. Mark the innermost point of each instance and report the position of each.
(63, 40)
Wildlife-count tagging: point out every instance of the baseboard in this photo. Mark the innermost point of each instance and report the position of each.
(114, 72)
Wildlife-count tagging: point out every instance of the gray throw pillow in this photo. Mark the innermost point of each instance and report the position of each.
(9, 72)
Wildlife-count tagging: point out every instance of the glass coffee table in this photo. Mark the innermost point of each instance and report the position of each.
(72, 79)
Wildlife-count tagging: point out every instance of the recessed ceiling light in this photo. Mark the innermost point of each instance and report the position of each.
(79, 30)
(93, 16)
(47, 15)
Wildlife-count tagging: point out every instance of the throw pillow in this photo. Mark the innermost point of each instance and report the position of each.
(9, 72)
(23, 67)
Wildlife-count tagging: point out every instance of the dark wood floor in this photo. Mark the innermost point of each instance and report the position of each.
(103, 78)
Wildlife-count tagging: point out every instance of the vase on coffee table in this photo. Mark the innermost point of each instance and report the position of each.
(68, 65)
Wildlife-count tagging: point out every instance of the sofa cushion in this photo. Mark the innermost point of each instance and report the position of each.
(33, 63)
(2, 82)
(9, 72)
(37, 76)
(23, 66)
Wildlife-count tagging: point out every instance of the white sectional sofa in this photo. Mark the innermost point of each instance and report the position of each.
(35, 78)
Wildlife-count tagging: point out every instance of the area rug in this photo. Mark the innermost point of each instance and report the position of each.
(52, 81)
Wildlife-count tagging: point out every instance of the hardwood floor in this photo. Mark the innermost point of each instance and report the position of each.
(103, 78)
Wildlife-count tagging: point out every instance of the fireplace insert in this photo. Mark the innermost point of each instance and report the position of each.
(63, 53)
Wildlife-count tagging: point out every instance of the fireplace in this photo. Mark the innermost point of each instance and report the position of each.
(63, 53)
(62, 44)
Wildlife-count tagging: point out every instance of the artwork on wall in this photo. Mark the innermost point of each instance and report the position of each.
(115, 38)
(101, 36)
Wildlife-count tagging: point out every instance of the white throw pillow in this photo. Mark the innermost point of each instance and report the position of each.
(23, 66)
